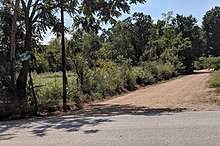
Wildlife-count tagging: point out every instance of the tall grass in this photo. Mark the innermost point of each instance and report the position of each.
(48, 87)
(214, 82)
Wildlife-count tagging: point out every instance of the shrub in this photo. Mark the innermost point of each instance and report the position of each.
(213, 63)
(130, 77)
(73, 90)
(107, 79)
(158, 71)
(209, 63)
(214, 81)
(165, 71)
(199, 63)
(144, 76)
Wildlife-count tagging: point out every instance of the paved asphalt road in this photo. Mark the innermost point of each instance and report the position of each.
(158, 129)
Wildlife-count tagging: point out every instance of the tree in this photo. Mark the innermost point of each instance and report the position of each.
(186, 25)
(118, 45)
(211, 26)
(140, 34)
(36, 18)
(83, 50)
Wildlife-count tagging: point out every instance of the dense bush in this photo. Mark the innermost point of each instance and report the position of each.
(157, 71)
(144, 76)
(165, 71)
(208, 63)
(130, 78)
(106, 80)
(213, 63)
(200, 63)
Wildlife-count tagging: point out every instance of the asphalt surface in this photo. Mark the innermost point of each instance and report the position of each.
(157, 129)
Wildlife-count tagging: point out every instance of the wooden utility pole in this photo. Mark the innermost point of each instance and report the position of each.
(63, 59)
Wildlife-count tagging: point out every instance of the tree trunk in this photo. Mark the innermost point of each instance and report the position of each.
(21, 82)
(23, 75)
(13, 47)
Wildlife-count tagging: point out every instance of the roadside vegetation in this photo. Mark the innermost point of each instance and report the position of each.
(214, 83)
(132, 53)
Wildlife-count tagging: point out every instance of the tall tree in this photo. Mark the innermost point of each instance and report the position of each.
(141, 34)
(187, 25)
(118, 42)
(211, 26)
(130, 38)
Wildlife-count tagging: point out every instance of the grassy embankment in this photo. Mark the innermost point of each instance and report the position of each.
(214, 83)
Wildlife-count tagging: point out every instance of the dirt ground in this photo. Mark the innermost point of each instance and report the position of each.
(188, 92)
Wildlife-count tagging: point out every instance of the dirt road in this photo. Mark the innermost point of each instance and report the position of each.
(188, 92)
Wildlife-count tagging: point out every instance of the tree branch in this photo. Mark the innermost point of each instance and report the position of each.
(29, 6)
(23, 5)
(34, 9)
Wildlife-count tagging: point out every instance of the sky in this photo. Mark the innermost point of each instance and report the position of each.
(155, 8)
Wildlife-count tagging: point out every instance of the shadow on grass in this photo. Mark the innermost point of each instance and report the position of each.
(89, 117)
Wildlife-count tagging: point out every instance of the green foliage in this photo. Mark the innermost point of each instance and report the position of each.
(158, 71)
(208, 63)
(106, 80)
(135, 51)
(211, 26)
(48, 87)
(144, 77)
(5, 91)
(165, 71)
(50, 94)
(214, 81)
(213, 63)
(130, 77)
(200, 63)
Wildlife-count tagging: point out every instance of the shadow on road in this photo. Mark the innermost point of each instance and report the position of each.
(100, 110)
(90, 117)
(41, 127)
